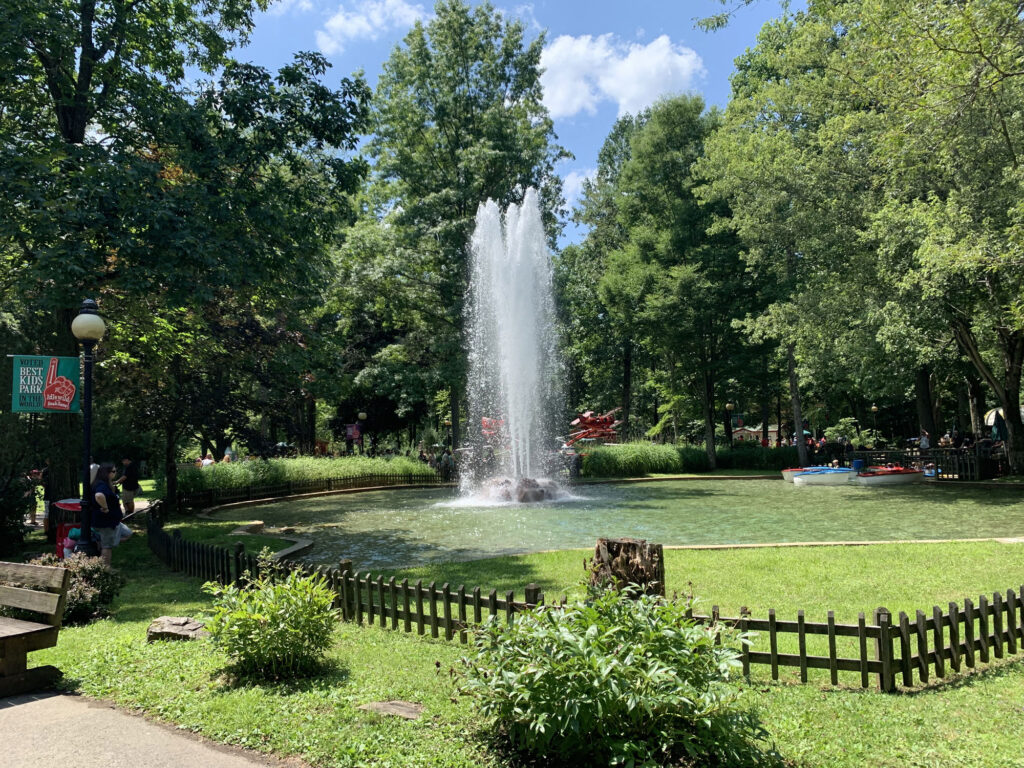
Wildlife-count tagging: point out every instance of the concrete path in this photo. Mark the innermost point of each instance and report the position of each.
(49, 730)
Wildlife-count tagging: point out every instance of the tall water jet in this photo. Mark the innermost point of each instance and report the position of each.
(514, 372)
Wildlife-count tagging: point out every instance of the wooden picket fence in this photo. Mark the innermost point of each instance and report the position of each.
(893, 650)
(940, 643)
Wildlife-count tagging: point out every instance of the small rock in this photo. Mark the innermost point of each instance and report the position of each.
(175, 628)
(404, 709)
(286, 530)
(256, 526)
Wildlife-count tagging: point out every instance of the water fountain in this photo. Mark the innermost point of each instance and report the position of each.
(514, 371)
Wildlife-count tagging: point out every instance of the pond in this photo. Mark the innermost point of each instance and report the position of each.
(404, 528)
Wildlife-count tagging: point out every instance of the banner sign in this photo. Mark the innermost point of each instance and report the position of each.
(45, 384)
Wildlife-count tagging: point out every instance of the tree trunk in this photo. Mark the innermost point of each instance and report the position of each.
(794, 396)
(925, 405)
(766, 398)
(976, 403)
(622, 562)
(170, 469)
(627, 384)
(455, 404)
(709, 420)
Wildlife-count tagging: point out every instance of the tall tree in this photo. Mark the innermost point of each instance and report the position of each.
(684, 286)
(458, 119)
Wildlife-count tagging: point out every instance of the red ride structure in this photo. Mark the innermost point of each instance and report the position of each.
(587, 426)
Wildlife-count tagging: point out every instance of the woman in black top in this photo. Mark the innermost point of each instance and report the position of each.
(106, 513)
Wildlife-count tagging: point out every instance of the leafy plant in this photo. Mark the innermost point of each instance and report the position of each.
(278, 626)
(613, 680)
(92, 589)
(279, 471)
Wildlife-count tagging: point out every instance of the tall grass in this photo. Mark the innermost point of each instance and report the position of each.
(278, 471)
(639, 459)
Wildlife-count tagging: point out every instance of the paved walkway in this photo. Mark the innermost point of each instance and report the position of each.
(50, 730)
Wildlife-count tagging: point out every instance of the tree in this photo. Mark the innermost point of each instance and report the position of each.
(458, 119)
(599, 344)
(83, 86)
(188, 211)
(682, 287)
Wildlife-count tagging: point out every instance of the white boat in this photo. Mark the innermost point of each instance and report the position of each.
(789, 474)
(890, 476)
(825, 477)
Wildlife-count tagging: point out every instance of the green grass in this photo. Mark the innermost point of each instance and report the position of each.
(147, 489)
(218, 534)
(971, 722)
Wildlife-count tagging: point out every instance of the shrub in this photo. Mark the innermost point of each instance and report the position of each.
(241, 474)
(630, 460)
(279, 626)
(613, 681)
(692, 459)
(93, 586)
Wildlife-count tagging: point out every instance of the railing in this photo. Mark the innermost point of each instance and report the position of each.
(892, 651)
(212, 497)
(947, 463)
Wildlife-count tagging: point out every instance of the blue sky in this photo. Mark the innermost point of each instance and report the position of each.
(602, 58)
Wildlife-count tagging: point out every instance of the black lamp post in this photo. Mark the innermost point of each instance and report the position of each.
(728, 420)
(362, 429)
(88, 327)
(874, 416)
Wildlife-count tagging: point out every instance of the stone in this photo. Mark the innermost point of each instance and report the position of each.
(256, 526)
(287, 530)
(175, 628)
(404, 709)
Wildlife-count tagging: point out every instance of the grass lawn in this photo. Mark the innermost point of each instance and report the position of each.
(972, 721)
(217, 533)
(147, 489)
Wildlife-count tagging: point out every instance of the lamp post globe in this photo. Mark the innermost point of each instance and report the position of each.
(729, 406)
(88, 327)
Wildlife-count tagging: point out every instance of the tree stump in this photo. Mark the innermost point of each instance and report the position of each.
(621, 562)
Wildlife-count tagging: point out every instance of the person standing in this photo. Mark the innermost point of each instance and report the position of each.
(129, 482)
(106, 512)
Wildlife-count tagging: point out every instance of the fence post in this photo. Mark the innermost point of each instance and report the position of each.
(883, 650)
(239, 549)
(348, 608)
(534, 595)
(175, 550)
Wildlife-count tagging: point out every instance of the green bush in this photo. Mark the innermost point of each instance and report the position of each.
(692, 459)
(276, 627)
(630, 460)
(240, 474)
(613, 681)
(93, 586)
(750, 455)
(639, 459)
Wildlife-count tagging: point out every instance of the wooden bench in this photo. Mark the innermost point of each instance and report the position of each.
(43, 591)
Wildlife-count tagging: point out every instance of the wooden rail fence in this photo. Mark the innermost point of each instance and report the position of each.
(892, 650)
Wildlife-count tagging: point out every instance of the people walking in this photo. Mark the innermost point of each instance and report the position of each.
(129, 482)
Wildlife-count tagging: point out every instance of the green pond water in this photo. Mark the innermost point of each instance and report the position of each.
(403, 528)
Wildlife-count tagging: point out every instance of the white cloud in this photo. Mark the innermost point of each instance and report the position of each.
(281, 7)
(581, 72)
(366, 21)
(572, 184)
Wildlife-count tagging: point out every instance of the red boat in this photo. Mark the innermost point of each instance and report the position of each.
(889, 476)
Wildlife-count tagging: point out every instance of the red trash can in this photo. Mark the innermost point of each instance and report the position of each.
(66, 505)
